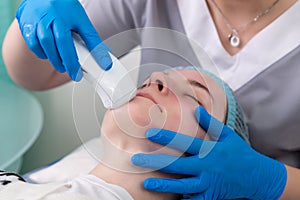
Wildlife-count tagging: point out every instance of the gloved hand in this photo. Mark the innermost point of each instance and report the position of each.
(46, 26)
(223, 169)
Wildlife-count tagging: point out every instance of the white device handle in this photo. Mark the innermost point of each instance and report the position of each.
(115, 87)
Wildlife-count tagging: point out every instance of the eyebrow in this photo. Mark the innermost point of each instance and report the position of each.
(199, 85)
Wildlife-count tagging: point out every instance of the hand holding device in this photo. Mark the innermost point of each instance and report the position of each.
(47, 27)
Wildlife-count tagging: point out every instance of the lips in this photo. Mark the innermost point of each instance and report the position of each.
(147, 96)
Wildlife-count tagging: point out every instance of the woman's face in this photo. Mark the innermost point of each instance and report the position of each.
(167, 100)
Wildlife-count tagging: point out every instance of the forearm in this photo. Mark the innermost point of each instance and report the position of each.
(24, 67)
(292, 190)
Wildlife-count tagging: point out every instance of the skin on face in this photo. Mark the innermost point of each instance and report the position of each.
(166, 101)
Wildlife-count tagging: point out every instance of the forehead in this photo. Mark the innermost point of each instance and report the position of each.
(190, 74)
(219, 100)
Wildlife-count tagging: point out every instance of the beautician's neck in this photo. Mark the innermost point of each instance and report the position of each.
(132, 182)
(249, 8)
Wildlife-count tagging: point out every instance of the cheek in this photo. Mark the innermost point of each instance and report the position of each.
(186, 122)
(139, 114)
(189, 124)
(182, 121)
(173, 120)
(181, 118)
(144, 113)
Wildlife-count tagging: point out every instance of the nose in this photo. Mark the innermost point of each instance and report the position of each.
(158, 81)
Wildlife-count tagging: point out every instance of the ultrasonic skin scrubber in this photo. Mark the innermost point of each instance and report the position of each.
(115, 86)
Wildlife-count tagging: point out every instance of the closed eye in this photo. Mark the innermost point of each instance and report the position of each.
(194, 98)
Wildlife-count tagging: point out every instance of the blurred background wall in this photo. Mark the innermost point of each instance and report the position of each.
(7, 13)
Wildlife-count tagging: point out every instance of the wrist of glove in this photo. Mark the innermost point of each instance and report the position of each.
(271, 177)
(225, 168)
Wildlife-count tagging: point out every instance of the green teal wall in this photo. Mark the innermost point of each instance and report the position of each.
(7, 14)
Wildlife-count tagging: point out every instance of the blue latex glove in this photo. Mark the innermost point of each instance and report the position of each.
(224, 169)
(47, 27)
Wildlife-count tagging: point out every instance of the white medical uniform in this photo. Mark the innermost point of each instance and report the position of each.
(264, 74)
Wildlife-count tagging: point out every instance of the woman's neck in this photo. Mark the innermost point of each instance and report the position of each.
(115, 165)
(132, 182)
